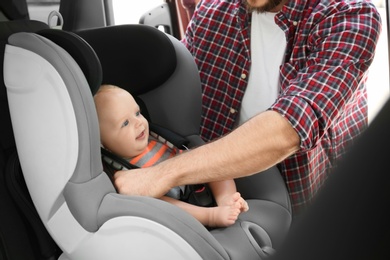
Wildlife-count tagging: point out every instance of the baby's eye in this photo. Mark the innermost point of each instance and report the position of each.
(125, 123)
(138, 113)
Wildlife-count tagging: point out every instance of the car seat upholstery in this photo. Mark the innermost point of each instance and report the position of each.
(7, 29)
(50, 78)
(20, 224)
(13, 10)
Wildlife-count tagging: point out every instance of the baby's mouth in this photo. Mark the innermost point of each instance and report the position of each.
(141, 135)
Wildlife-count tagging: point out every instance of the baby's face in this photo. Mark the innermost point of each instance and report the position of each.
(123, 129)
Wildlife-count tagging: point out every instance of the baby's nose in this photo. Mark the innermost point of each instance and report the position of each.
(138, 121)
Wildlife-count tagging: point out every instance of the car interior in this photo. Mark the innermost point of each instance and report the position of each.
(58, 203)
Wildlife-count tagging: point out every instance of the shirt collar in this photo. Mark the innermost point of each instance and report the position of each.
(294, 10)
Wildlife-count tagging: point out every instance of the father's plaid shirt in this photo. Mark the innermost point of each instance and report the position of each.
(330, 45)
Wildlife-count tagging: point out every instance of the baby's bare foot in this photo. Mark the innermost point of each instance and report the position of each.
(223, 216)
(229, 199)
(232, 199)
(243, 205)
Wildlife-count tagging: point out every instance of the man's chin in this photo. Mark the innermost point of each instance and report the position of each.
(268, 6)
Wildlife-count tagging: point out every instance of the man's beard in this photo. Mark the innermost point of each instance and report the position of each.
(271, 4)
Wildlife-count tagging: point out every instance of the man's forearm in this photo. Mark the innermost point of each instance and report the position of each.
(255, 146)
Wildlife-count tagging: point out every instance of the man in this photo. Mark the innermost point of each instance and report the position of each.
(291, 75)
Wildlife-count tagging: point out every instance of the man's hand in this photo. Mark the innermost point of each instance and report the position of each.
(139, 182)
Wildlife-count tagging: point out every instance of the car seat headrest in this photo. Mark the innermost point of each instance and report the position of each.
(81, 52)
(135, 57)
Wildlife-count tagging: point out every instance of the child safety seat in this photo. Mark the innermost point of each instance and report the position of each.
(51, 77)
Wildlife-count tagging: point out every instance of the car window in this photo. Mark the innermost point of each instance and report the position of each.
(125, 11)
(130, 11)
(40, 9)
(378, 77)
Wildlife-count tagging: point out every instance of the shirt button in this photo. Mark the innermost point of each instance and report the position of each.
(243, 76)
(232, 111)
(295, 23)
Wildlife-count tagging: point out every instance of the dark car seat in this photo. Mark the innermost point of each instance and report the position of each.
(54, 120)
(13, 10)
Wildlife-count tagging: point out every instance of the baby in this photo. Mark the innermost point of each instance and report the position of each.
(125, 132)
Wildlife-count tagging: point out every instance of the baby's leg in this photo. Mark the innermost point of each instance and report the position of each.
(220, 216)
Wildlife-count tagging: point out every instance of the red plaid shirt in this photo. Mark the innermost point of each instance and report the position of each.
(330, 45)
